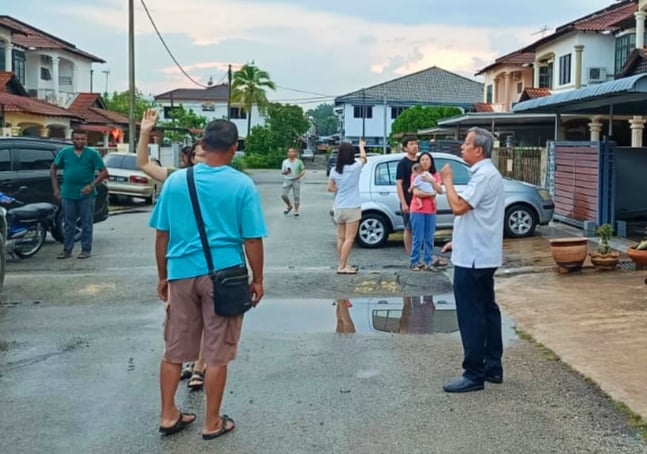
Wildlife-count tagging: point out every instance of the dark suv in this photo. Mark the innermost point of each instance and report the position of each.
(26, 161)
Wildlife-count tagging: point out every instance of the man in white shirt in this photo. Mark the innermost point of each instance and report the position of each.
(477, 243)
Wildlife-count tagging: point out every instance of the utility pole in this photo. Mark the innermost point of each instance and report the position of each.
(131, 75)
(228, 92)
(364, 114)
(384, 138)
(107, 73)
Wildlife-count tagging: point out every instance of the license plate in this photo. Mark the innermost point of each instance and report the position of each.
(115, 178)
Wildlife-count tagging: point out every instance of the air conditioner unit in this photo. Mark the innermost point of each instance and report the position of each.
(596, 75)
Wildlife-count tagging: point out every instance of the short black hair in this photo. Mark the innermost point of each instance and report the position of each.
(407, 139)
(220, 135)
(79, 131)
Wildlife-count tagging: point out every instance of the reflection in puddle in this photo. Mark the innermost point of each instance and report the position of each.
(404, 315)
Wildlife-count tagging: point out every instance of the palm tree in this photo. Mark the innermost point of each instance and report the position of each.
(248, 90)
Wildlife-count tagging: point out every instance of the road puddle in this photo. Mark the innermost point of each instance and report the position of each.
(418, 315)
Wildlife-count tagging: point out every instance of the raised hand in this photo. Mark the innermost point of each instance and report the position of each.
(149, 119)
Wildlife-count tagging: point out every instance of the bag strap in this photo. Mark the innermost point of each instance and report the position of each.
(198, 218)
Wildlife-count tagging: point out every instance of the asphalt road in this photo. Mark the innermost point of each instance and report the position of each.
(80, 343)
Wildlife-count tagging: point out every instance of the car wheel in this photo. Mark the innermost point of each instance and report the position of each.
(151, 200)
(520, 221)
(57, 228)
(373, 231)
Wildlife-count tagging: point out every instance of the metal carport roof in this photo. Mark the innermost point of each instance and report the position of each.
(626, 96)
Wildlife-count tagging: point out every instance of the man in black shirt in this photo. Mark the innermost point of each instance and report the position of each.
(403, 182)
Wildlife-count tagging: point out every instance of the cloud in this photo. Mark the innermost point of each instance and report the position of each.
(333, 48)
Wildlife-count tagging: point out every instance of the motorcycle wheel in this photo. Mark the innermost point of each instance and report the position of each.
(32, 242)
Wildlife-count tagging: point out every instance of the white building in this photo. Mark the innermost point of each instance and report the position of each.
(49, 68)
(211, 103)
(370, 112)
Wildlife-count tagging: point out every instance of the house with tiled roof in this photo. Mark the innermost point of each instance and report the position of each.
(49, 67)
(209, 102)
(506, 79)
(102, 125)
(22, 115)
(370, 112)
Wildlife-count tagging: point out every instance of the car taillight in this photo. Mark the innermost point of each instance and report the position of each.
(138, 180)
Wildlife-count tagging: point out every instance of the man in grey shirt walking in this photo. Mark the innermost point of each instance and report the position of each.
(477, 243)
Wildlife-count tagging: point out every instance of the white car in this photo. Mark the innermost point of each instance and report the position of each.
(127, 180)
(308, 154)
(526, 205)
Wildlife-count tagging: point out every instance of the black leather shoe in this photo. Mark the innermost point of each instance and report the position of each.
(498, 379)
(462, 385)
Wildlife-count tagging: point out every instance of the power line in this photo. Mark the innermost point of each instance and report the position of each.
(304, 91)
(159, 35)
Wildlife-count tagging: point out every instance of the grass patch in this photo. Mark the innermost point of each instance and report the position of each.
(634, 420)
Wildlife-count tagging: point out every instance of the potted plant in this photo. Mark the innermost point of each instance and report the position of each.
(638, 254)
(569, 253)
(605, 259)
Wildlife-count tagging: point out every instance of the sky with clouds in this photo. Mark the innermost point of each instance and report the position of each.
(325, 47)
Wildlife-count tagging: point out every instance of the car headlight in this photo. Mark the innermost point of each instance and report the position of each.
(544, 194)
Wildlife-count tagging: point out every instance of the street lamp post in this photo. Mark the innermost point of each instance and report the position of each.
(107, 73)
(131, 75)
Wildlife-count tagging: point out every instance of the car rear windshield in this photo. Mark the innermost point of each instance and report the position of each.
(121, 162)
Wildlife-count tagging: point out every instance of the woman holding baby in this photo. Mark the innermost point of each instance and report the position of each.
(425, 185)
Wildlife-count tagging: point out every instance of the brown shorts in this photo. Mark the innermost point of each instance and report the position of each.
(190, 309)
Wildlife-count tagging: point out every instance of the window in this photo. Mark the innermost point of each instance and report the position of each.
(396, 111)
(5, 160)
(546, 75)
(65, 80)
(45, 74)
(519, 87)
(19, 65)
(2, 58)
(208, 107)
(35, 159)
(362, 111)
(460, 170)
(120, 161)
(565, 69)
(385, 173)
(489, 94)
(625, 44)
(237, 113)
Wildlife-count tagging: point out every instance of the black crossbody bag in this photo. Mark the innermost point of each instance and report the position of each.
(231, 293)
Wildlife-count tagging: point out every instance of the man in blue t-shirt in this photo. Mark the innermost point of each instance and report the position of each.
(80, 165)
(235, 228)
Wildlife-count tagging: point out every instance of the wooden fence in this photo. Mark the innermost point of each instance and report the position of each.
(521, 163)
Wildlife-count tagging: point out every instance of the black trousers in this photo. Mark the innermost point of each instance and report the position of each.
(479, 322)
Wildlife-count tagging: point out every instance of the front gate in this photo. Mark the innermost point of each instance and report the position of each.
(581, 178)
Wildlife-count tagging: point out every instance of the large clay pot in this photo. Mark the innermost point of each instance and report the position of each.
(569, 253)
(605, 262)
(639, 257)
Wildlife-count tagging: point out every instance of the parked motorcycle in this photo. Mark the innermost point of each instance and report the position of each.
(26, 225)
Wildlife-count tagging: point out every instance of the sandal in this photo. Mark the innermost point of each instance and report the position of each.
(287, 210)
(197, 381)
(439, 262)
(179, 425)
(347, 270)
(223, 430)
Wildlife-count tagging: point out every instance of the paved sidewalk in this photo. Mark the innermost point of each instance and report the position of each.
(594, 321)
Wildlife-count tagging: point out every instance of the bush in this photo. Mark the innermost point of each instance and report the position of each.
(270, 160)
(239, 163)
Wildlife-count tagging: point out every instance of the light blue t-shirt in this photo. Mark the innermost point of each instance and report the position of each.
(232, 212)
(347, 183)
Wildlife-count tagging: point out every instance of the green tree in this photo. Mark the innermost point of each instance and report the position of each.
(259, 141)
(185, 119)
(324, 119)
(287, 124)
(421, 117)
(248, 90)
(120, 102)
